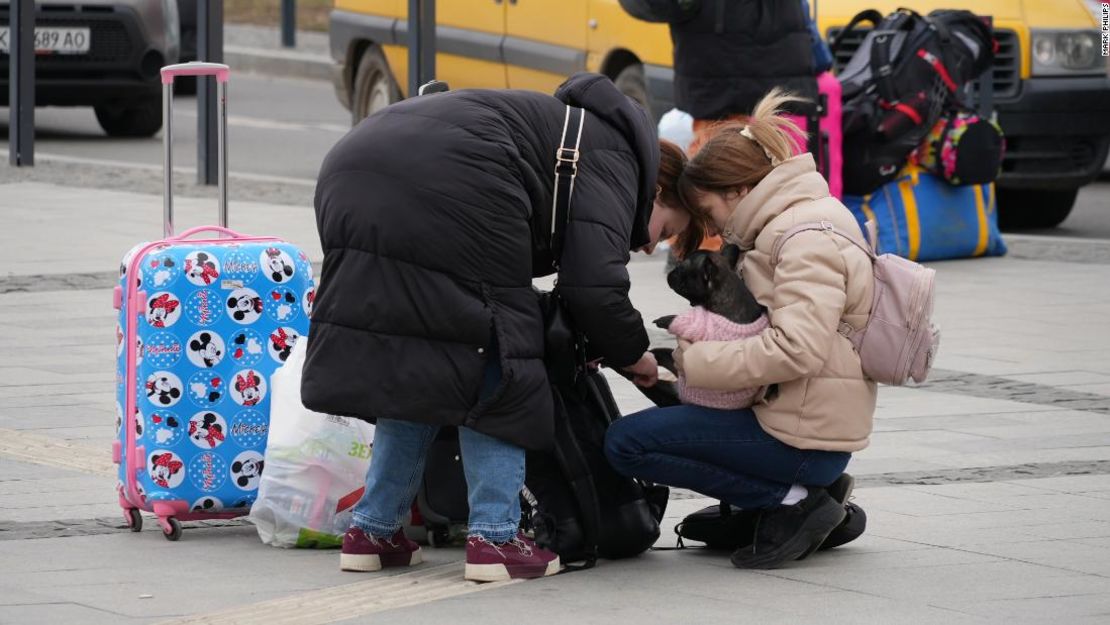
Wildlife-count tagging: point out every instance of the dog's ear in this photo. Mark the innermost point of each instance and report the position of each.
(708, 273)
(664, 322)
(732, 254)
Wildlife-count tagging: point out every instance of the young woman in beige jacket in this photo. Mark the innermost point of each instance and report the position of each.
(786, 454)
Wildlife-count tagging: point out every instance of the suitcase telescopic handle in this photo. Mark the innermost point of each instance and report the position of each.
(169, 74)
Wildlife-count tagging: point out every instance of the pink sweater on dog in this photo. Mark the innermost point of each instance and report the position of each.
(698, 324)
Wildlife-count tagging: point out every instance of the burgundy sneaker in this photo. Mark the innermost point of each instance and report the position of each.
(363, 552)
(519, 558)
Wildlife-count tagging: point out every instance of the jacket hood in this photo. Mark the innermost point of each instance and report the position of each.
(794, 181)
(600, 97)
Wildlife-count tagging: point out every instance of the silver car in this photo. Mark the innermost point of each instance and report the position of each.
(101, 53)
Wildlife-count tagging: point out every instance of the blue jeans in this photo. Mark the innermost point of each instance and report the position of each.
(723, 454)
(494, 473)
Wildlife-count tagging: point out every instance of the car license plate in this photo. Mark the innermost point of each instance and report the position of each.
(53, 40)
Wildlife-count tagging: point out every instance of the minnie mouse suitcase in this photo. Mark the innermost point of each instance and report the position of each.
(204, 318)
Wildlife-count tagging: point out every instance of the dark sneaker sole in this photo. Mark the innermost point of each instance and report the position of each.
(809, 537)
(841, 489)
(367, 563)
(851, 528)
(846, 532)
(505, 572)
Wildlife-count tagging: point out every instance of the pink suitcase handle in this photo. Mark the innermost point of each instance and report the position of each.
(218, 229)
(196, 68)
(169, 73)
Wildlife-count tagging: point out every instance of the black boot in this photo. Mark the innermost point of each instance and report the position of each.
(786, 533)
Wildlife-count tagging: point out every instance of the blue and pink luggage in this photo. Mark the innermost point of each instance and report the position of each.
(205, 317)
(922, 217)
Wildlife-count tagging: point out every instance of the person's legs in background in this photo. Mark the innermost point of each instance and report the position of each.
(396, 468)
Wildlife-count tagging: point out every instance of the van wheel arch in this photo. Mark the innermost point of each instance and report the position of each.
(372, 85)
(626, 70)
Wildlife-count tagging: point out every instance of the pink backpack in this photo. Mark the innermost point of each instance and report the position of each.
(899, 340)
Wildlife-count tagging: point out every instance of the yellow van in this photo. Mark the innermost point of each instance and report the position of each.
(1051, 83)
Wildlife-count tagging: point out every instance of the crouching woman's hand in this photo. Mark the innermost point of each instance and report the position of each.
(646, 370)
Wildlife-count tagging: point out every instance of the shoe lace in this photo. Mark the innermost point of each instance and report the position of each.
(522, 545)
(377, 541)
(482, 539)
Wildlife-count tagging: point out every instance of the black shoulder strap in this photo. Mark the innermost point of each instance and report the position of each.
(566, 168)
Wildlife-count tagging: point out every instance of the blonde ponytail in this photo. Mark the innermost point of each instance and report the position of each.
(772, 130)
(740, 155)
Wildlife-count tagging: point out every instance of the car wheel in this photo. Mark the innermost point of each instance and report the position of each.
(632, 83)
(1026, 209)
(139, 119)
(374, 87)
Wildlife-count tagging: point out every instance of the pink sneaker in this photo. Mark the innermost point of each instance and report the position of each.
(519, 558)
(363, 552)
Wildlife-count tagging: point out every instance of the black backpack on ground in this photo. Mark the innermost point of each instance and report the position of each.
(581, 508)
(908, 72)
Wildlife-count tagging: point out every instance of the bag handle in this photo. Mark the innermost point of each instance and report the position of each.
(566, 169)
(826, 226)
(870, 15)
(169, 74)
(217, 229)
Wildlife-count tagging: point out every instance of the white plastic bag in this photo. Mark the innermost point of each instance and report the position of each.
(315, 466)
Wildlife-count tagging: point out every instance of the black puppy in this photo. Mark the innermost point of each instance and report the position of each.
(709, 279)
(706, 279)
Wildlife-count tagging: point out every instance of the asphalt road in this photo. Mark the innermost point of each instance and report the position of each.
(276, 127)
(280, 130)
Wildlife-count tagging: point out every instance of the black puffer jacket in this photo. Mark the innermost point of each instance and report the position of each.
(434, 217)
(730, 53)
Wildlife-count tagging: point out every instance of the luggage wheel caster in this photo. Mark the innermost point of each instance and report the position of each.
(439, 537)
(171, 529)
(134, 519)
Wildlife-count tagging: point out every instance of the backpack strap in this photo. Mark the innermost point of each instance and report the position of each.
(572, 461)
(870, 15)
(870, 231)
(566, 169)
(882, 67)
(827, 226)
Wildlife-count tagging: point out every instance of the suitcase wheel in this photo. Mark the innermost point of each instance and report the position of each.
(173, 533)
(134, 520)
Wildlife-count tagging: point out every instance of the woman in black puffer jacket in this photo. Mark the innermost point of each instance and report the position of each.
(434, 216)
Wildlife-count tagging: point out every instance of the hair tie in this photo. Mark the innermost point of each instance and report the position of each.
(748, 133)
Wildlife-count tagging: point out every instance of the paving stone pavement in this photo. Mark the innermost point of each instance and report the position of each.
(987, 489)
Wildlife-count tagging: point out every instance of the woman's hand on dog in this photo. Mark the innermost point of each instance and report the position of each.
(646, 370)
(679, 355)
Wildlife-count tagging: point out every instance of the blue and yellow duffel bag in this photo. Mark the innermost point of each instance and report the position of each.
(921, 217)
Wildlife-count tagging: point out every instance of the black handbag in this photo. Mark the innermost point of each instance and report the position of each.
(581, 508)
